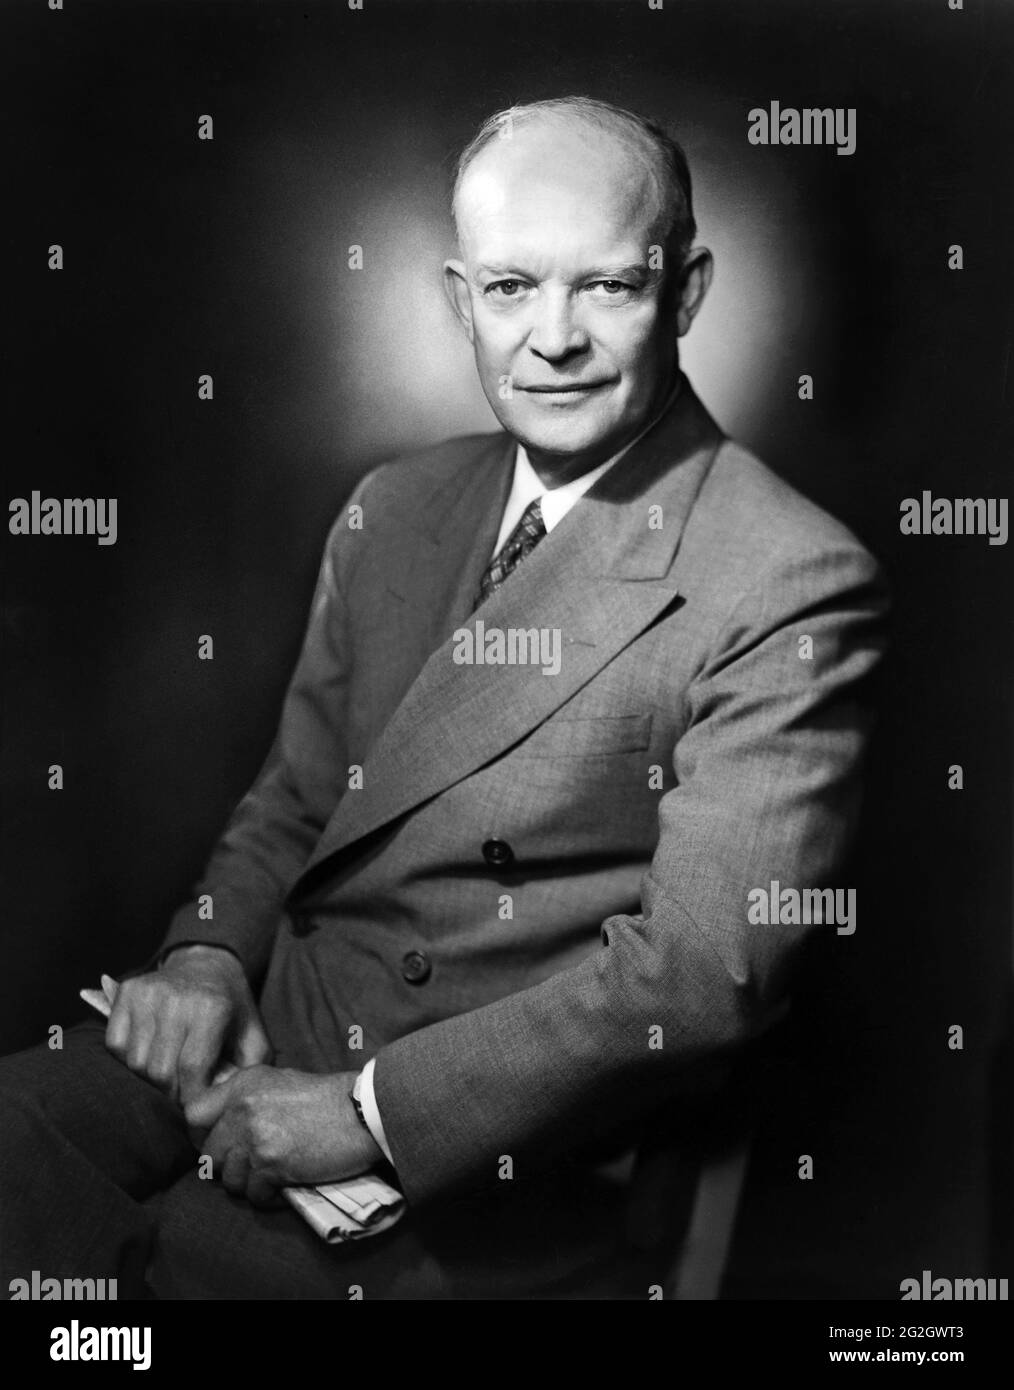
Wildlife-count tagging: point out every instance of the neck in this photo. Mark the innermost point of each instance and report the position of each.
(554, 470)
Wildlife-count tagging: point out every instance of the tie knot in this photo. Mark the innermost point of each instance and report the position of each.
(531, 527)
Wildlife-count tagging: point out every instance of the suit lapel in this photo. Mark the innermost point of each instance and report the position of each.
(597, 581)
(433, 571)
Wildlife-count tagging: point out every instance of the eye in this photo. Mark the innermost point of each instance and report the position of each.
(611, 289)
(507, 288)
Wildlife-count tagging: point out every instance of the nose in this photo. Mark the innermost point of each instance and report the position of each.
(556, 334)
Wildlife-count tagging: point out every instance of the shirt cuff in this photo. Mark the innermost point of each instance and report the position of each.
(371, 1113)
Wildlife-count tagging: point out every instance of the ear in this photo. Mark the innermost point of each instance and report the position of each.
(456, 289)
(695, 279)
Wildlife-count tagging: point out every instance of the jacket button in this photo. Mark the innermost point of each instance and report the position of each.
(498, 853)
(415, 967)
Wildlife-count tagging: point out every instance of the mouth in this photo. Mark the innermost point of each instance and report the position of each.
(571, 391)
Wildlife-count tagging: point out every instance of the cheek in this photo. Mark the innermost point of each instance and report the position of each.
(496, 337)
(632, 340)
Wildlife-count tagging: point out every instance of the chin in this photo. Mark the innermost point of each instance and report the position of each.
(564, 434)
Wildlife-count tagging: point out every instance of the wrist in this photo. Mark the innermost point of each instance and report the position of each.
(199, 953)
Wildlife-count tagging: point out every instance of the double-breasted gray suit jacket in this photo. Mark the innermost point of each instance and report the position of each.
(535, 905)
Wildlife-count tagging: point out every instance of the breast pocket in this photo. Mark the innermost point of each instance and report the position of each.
(572, 737)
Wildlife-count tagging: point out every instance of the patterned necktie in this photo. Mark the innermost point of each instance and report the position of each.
(524, 538)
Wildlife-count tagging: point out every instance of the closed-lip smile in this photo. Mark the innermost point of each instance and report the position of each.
(572, 386)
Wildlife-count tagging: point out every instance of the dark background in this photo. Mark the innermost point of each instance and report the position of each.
(334, 128)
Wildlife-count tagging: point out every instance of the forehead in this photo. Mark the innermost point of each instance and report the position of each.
(560, 191)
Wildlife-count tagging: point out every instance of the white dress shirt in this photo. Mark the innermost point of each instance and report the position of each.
(556, 503)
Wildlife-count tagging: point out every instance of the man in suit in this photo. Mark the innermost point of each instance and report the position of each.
(568, 694)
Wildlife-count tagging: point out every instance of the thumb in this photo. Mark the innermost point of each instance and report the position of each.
(252, 1048)
(207, 1108)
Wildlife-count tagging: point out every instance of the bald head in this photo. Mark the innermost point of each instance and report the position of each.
(547, 143)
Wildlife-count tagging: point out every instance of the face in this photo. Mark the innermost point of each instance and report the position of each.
(573, 321)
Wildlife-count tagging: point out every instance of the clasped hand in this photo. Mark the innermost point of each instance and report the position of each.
(266, 1128)
(263, 1127)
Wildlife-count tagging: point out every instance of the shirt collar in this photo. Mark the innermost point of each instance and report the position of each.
(557, 501)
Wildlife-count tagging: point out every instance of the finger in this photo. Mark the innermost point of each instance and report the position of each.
(142, 1032)
(118, 1028)
(199, 1054)
(218, 1144)
(235, 1173)
(252, 1045)
(163, 1055)
(208, 1108)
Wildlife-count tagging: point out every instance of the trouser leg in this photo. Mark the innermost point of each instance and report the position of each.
(98, 1179)
(83, 1141)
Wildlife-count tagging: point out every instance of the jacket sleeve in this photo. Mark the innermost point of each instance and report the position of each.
(767, 789)
(275, 827)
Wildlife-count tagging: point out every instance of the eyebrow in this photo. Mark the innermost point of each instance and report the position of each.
(607, 272)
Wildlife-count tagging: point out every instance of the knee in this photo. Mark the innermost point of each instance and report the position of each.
(40, 1068)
